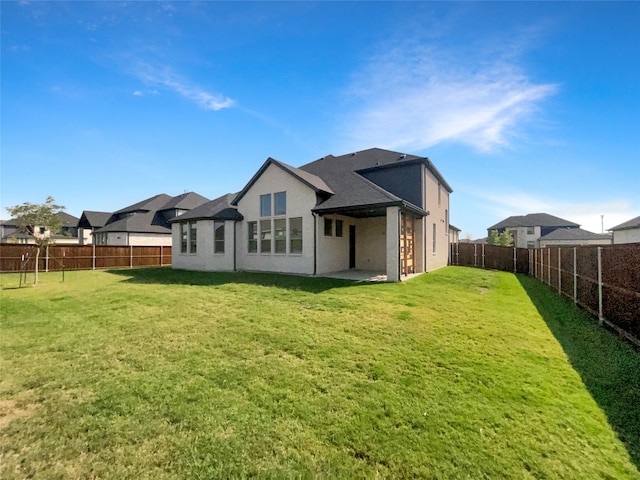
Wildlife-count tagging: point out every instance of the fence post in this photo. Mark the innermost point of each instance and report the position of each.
(475, 254)
(93, 259)
(483, 255)
(130, 256)
(161, 249)
(46, 258)
(549, 266)
(575, 276)
(515, 260)
(600, 317)
(559, 272)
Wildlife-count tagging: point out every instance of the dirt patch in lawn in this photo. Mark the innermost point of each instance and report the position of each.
(9, 411)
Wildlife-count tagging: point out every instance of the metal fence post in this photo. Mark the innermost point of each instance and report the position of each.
(600, 316)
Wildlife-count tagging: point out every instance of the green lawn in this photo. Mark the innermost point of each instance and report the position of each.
(460, 373)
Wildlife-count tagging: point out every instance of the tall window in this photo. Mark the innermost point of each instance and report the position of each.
(434, 238)
(218, 236)
(253, 237)
(339, 224)
(184, 236)
(280, 203)
(439, 194)
(446, 221)
(265, 205)
(295, 235)
(265, 236)
(328, 227)
(280, 235)
(193, 237)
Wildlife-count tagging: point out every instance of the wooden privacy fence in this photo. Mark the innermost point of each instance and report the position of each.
(604, 280)
(77, 257)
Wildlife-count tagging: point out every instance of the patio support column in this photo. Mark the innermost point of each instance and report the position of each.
(393, 244)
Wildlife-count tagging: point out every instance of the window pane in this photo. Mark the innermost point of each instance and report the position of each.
(280, 201)
(218, 235)
(265, 236)
(193, 237)
(338, 228)
(184, 235)
(265, 205)
(434, 238)
(328, 227)
(295, 235)
(253, 237)
(280, 235)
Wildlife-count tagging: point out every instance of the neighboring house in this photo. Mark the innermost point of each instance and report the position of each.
(573, 237)
(90, 222)
(627, 232)
(146, 222)
(67, 235)
(373, 210)
(527, 230)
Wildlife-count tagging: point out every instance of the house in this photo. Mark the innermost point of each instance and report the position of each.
(627, 232)
(454, 234)
(527, 230)
(67, 235)
(373, 210)
(146, 222)
(90, 222)
(573, 237)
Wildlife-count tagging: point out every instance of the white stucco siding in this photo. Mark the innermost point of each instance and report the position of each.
(117, 238)
(371, 244)
(301, 199)
(148, 239)
(437, 204)
(631, 235)
(204, 259)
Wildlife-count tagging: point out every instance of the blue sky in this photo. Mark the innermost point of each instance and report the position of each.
(523, 107)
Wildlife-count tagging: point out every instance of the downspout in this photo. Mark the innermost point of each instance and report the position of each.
(315, 242)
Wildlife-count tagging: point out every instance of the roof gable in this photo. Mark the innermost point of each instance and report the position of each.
(309, 179)
(152, 203)
(90, 219)
(628, 225)
(217, 209)
(533, 220)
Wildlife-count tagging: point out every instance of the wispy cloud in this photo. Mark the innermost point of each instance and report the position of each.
(416, 94)
(165, 77)
(588, 214)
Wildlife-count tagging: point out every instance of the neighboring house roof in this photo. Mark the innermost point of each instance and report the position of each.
(574, 234)
(154, 203)
(352, 191)
(186, 201)
(90, 219)
(451, 227)
(145, 216)
(628, 225)
(312, 181)
(220, 208)
(533, 220)
(68, 220)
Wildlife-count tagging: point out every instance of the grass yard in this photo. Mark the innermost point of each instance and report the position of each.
(163, 374)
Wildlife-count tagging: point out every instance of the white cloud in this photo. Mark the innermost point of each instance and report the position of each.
(413, 96)
(165, 77)
(587, 214)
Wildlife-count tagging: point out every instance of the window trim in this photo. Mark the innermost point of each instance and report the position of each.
(217, 241)
(297, 237)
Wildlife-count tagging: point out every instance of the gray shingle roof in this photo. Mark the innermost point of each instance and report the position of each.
(217, 209)
(154, 203)
(90, 219)
(351, 189)
(186, 201)
(67, 220)
(574, 234)
(629, 224)
(533, 220)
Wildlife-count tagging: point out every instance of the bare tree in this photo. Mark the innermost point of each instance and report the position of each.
(39, 221)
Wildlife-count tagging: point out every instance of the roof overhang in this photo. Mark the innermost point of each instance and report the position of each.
(372, 210)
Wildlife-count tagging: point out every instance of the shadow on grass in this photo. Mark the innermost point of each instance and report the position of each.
(609, 367)
(168, 276)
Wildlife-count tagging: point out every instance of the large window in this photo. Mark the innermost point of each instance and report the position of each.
(184, 237)
(265, 236)
(328, 227)
(265, 205)
(252, 246)
(193, 237)
(295, 235)
(280, 203)
(280, 235)
(218, 236)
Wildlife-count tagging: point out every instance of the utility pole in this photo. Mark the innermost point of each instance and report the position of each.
(601, 223)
